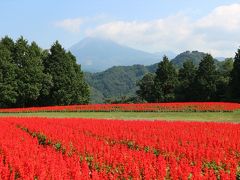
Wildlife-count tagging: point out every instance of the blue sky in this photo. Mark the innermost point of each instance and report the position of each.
(212, 26)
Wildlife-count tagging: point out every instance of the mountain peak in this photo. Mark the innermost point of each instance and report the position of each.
(97, 54)
(86, 42)
(194, 56)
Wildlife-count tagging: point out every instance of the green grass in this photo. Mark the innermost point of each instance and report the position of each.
(186, 116)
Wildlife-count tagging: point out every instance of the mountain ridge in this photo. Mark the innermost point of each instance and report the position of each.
(119, 81)
(96, 54)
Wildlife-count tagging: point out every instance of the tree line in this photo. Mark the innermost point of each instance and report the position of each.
(31, 76)
(191, 83)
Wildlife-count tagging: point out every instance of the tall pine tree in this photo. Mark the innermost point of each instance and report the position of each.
(165, 81)
(8, 84)
(30, 73)
(186, 78)
(235, 78)
(205, 81)
(80, 89)
(223, 78)
(68, 83)
(146, 88)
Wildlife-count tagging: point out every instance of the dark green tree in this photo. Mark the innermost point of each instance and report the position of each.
(223, 78)
(235, 78)
(8, 84)
(186, 79)
(165, 81)
(226, 67)
(30, 75)
(9, 44)
(42, 79)
(80, 89)
(146, 88)
(68, 84)
(205, 81)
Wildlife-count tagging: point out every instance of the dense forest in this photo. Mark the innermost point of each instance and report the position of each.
(30, 76)
(119, 83)
(191, 83)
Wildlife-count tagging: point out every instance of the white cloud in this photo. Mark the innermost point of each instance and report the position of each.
(146, 35)
(215, 33)
(75, 25)
(71, 25)
(223, 17)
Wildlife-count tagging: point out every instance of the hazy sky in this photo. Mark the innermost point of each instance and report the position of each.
(211, 26)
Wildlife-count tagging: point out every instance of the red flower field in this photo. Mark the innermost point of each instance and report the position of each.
(145, 107)
(51, 148)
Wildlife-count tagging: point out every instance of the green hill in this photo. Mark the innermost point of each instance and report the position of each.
(194, 56)
(115, 82)
(120, 81)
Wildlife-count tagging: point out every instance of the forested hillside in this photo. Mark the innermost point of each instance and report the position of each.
(114, 83)
(121, 81)
(193, 56)
(209, 81)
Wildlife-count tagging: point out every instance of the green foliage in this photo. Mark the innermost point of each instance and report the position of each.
(114, 83)
(165, 81)
(205, 81)
(223, 78)
(42, 139)
(68, 83)
(146, 87)
(194, 56)
(8, 43)
(80, 88)
(120, 81)
(58, 146)
(235, 78)
(156, 152)
(225, 67)
(186, 79)
(8, 85)
(29, 76)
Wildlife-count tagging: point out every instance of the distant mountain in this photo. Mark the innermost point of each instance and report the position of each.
(121, 81)
(96, 55)
(194, 56)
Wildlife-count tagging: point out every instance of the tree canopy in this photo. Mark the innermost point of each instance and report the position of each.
(205, 80)
(235, 78)
(30, 76)
(186, 77)
(146, 85)
(165, 81)
(191, 83)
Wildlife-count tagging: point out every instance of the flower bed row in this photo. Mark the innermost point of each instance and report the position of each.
(145, 107)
